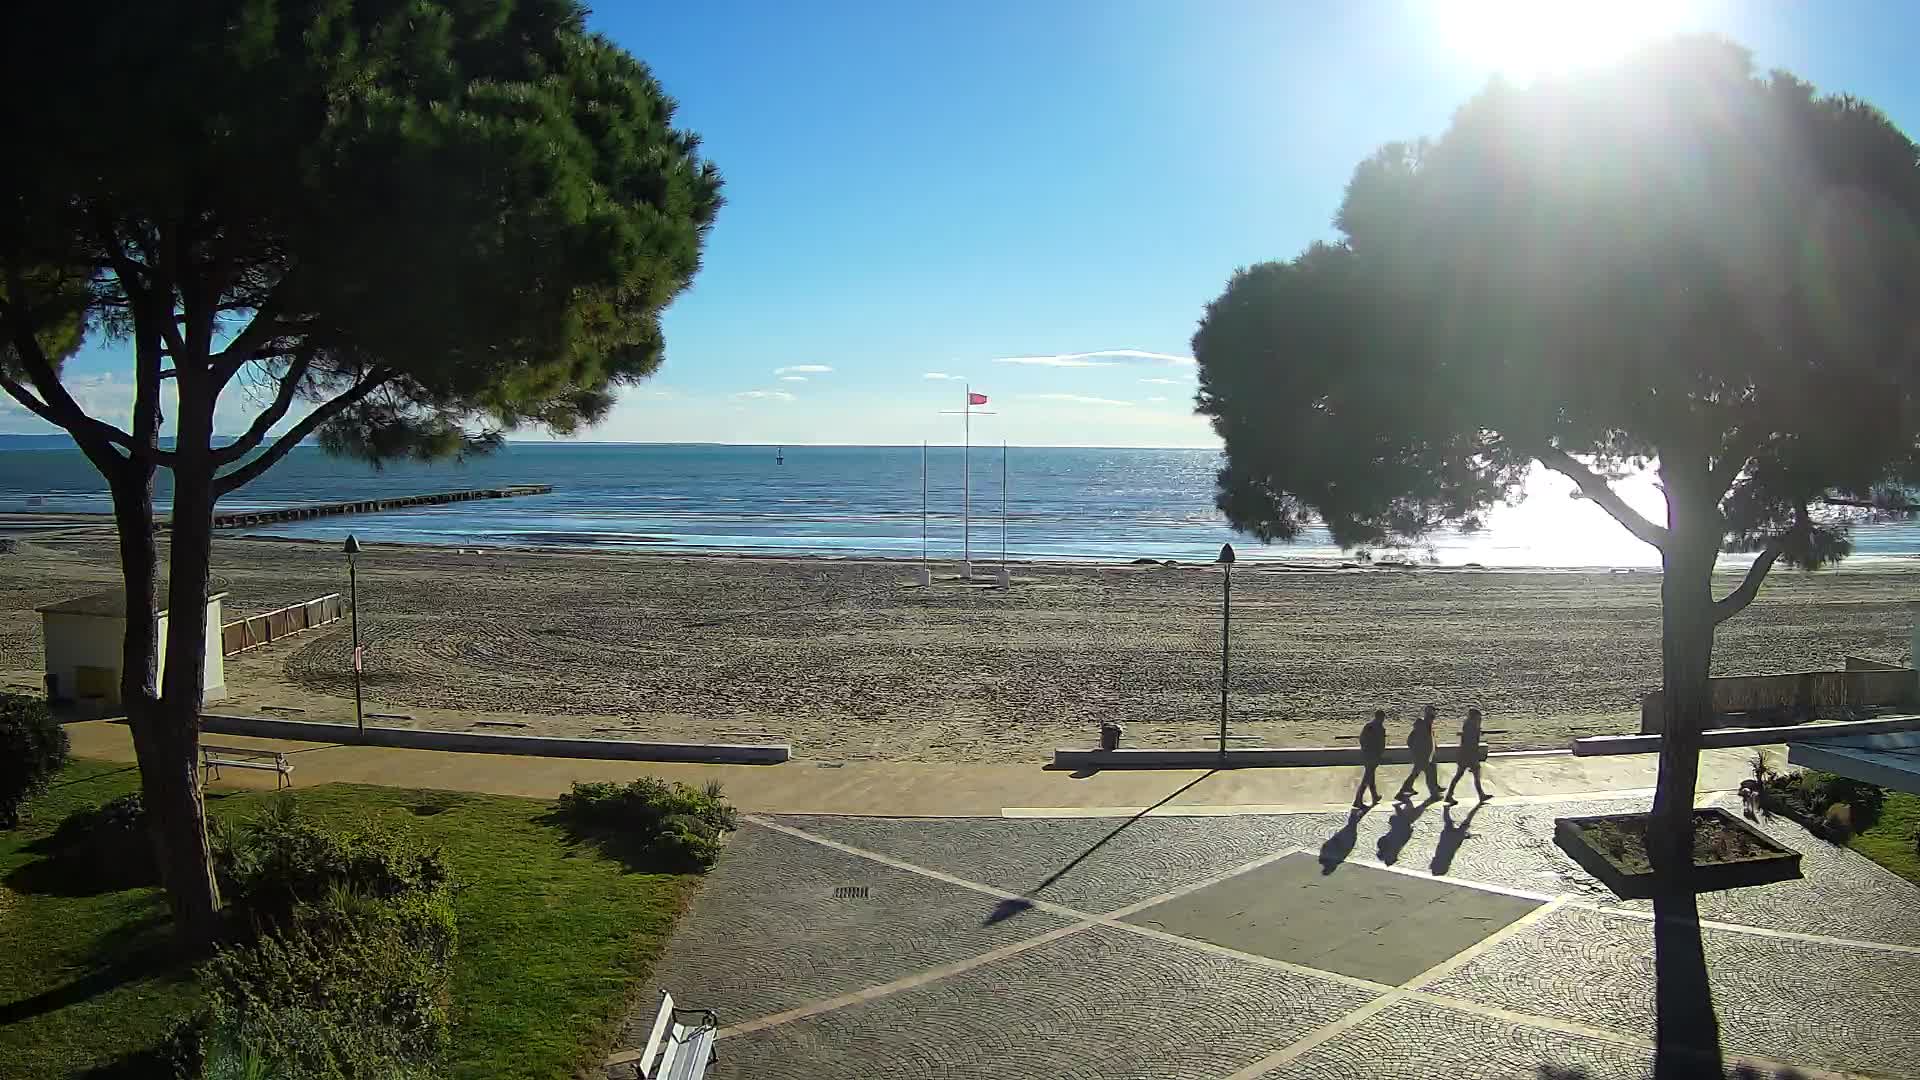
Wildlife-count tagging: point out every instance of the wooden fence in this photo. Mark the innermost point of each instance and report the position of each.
(258, 630)
(1796, 697)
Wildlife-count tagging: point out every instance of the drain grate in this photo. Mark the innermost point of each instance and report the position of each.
(850, 892)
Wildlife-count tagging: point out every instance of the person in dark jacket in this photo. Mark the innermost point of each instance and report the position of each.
(1469, 757)
(1420, 749)
(1373, 747)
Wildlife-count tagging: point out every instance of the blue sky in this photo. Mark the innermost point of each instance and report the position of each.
(916, 189)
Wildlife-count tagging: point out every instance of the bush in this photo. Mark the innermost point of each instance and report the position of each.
(270, 865)
(33, 746)
(349, 987)
(1838, 822)
(672, 825)
(109, 844)
(343, 953)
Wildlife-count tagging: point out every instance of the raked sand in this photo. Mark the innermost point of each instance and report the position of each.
(847, 660)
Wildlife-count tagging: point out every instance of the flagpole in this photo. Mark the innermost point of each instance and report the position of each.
(923, 504)
(1003, 510)
(966, 487)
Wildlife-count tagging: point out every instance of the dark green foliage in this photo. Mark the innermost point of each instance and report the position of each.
(276, 861)
(349, 987)
(108, 844)
(668, 826)
(1814, 795)
(1672, 259)
(344, 941)
(33, 746)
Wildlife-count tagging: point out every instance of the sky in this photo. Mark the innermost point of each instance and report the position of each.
(1038, 200)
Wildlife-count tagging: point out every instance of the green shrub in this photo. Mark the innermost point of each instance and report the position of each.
(109, 844)
(348, 987)
(33, 746)
(273, 863)
(670, 825)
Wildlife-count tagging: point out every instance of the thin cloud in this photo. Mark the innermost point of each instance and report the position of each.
(793, 378)
(764, 395)
(943, 375)
(1077, 399)
(802, 369)
(1099, 358)
(1156, 398)
(1164, 382)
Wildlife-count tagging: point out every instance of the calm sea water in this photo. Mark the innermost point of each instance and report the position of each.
(1077, 504)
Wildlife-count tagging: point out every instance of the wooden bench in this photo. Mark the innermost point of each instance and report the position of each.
(214, 758)
(677, 1050)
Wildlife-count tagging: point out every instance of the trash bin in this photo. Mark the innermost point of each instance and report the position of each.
(1110, 735)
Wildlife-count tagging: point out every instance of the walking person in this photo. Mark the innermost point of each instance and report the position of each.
(1420, 749)
(1373, 747)
(1469, 758)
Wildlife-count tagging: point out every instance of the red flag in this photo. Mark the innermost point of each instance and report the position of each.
(976, 399)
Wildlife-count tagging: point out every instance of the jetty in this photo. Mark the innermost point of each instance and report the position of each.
(247, 518)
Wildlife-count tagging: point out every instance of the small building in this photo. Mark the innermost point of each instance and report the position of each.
(85, 638)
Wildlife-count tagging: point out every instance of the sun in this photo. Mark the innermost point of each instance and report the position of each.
(1522, 39)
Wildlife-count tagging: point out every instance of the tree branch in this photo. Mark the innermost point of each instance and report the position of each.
(274, 413)
(1736, 601)
(245, 474)
(1595, 487)
(25, 397)
(56, 406)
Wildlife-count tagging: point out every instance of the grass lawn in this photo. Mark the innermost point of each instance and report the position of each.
(553, 937)
(1890, 841)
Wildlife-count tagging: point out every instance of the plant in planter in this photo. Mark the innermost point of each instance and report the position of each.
(1727, 852)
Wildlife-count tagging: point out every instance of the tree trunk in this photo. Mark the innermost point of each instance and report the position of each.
(187, 864)
(1687, 1029)
(1686, 664)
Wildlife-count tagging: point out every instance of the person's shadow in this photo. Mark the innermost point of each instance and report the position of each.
(1400, 828)
(1340, 844)
(1452, 835)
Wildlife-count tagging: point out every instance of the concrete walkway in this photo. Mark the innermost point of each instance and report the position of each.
(911, 789)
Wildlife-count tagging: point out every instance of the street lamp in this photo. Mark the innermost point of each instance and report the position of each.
(352, 548)
(1226, 632)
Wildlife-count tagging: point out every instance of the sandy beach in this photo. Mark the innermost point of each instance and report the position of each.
(847, 660)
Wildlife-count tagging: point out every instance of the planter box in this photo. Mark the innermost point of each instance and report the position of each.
(1755, 858)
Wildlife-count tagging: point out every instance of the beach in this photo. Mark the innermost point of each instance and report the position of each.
(848, 660)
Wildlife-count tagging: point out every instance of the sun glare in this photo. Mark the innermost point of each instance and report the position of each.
(1522, 39)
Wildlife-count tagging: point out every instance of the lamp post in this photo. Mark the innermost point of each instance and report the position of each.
(1226, 636)
(352, 548)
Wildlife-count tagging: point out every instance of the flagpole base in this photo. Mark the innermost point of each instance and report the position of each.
(922, 576)
(966, 571)
(1003, 578)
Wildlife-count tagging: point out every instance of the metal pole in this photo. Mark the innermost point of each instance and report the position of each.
(353, 591)
(1226, 637)
(966, 487)
(923, 504)
(1003, 507)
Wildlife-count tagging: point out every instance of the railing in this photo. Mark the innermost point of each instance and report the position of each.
(258, 630)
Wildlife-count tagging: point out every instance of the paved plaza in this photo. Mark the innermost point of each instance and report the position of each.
(1439, 942)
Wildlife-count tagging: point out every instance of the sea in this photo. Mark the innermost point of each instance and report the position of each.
(1030, 503)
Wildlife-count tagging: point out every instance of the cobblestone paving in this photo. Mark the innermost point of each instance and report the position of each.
(1415, 1040)
(766, 935)
(1101, 1004)
(1849, 1008)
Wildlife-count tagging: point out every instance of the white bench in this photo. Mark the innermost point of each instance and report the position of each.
(677, 1050)
(214, 758)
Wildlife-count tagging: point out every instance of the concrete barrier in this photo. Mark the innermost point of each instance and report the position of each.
(1803, 693)
(261, 727)
(1189, 757)
(1721, 738)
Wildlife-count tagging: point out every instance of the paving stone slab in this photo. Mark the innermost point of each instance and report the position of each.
(1829, 1006)
(1368, 923)
(1099, 1004)
(767, 934)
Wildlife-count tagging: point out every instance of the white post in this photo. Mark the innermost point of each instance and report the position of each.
(966, 486)
(1005, 580)
(924, 575)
